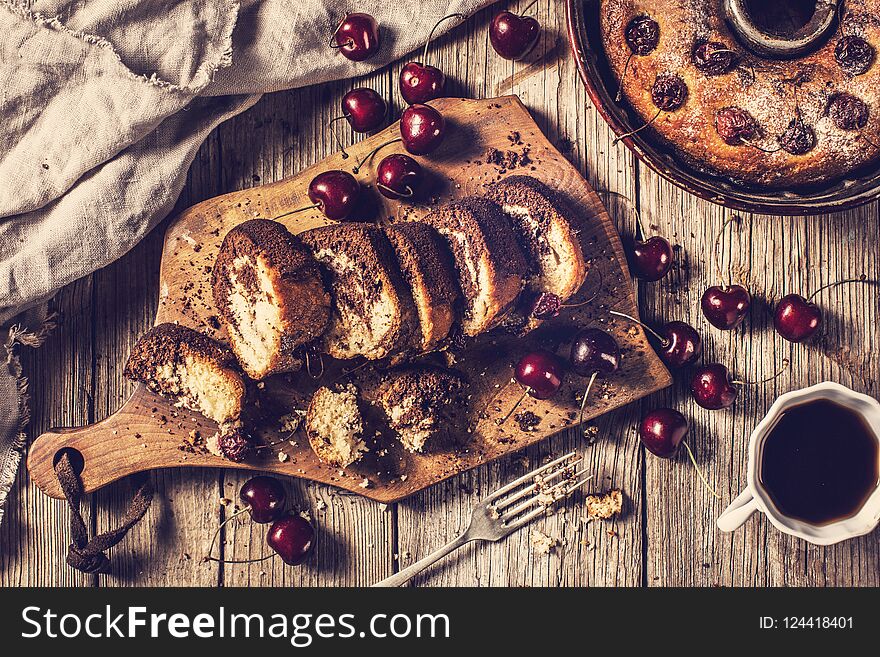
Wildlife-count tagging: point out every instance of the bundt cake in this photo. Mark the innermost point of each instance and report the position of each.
(373, 314)
(491, 266)
(741, 111)
(335, 427)
(199, 374)
(269, 292)
(421, 402)
(539, 217)
(427, 267)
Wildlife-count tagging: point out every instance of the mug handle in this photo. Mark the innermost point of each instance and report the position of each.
(737, 512)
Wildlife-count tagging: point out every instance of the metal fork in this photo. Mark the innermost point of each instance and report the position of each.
(507, 509)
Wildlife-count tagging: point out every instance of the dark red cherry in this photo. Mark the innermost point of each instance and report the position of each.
(234, 445)
(422, 129)
(541, 372)
(513, 36)
(796, 319)
(725, 307)
(713, 58)
(420, 83)
(292, 537)
(264, 498)
(735, 125)
(651, 259)
(848, 112)
(398, 176)
(662, 431)
(594, 350)
(364, 109)
(712, 388)
(642, 35)
(357, 37)
(668, 92)
(335, 192)
(853, 54)
(681, 344)
(798, 138)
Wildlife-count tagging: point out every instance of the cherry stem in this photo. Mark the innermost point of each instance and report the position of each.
(584, 398)
(663, 340)
(309, 365)
(275, 443)
(871, 143)
(782, 369)
(717, 242)
(308, 207)
(409, 191)
(333, 35)
(860, 279)
(699, 470)
(363, 160)
(632, 208)
(431, 35)
(336, 136)
(748, 142)
(220, 528)
(528, 6)
(268, 556)
(516, 405)
(639, 129)
(622, 76)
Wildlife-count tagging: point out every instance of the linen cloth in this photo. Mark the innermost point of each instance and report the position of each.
(103, 106)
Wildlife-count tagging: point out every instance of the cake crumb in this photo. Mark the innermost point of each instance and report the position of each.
(604, 506)
(282, 457)
(541, 543)
(365, 483)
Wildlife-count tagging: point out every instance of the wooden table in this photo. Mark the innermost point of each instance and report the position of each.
(667, 536)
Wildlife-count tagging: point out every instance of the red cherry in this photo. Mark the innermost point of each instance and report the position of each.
(398, 176)
(292, 537)
(681, 344)
(594, 351)
(662, 431)
(357, 37)
(651, 259)
(796, 319)
(422, 129)
(264, 498)
(513, 36)
(712, 388)
(420, 83)
(725, 307)
(541, 373)
(364, 109)
(335, 192)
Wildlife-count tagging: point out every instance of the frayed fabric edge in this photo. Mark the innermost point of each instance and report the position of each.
(17, 335)
(204, 75)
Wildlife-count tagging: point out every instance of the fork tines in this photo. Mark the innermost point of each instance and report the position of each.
(542, 487)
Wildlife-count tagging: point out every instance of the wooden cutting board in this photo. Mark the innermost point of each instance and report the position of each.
(486, 141)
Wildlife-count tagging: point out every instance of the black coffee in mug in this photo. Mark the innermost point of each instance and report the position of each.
(820, 462)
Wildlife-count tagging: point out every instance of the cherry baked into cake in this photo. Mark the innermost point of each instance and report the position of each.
(751, 115)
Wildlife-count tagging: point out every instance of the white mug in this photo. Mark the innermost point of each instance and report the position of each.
(755, 497)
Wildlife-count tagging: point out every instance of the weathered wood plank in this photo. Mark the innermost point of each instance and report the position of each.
(35, 533)
(548, 85)
(283, 134)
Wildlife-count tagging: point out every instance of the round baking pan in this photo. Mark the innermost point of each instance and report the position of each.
(851, 190)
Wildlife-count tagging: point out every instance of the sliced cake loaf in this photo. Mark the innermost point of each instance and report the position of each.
(373, 311)
(335, 427)
(491, 266)
(269, 291)
(421, 403)
(539, 217)
(198, 373)
(428, 269)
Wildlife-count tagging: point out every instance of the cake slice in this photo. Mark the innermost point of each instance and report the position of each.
(427, 267)
(269, 292)
(491, 266)
(544, 232)
(421, 403)
(373, 312)
(198, 373)
(335, 427)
